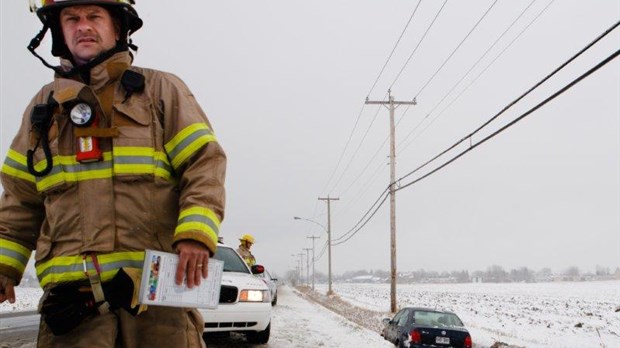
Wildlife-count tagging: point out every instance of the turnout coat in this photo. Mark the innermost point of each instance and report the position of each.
(161, 179)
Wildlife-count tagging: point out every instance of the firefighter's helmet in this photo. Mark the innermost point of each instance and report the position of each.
(48, 12)
(247, 238)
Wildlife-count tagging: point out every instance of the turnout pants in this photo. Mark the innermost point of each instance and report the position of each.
(156, 327)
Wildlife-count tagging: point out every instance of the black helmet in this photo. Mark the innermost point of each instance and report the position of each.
(49, 10)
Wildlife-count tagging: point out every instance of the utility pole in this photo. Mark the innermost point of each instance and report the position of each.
(392, 105)
(307, 265)
(301, 267)
(329, 241)
(313, 238)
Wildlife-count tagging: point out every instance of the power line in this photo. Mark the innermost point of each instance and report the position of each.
(394, 49)
(399, 73)
(527, 113)
(361, 221)
(346, 146)
(418, 45)
(383, 196)
(456, 49)
(370, 91)
(356, 150)
(480, 74)
(511, 104)
(465, 75)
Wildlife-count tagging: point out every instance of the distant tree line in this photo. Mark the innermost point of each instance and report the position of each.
(493, 274)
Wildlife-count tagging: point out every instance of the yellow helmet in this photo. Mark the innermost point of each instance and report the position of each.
(247, 238)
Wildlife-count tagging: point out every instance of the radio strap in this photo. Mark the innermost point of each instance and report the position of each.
(95, 283)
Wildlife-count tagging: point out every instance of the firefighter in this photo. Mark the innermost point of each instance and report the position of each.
(245, 243)
(110, 159)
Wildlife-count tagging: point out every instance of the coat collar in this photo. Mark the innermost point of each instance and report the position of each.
(109, 70)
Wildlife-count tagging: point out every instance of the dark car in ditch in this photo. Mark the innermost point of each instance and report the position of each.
(417, 327)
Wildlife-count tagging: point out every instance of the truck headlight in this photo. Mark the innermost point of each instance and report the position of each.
(254, 296)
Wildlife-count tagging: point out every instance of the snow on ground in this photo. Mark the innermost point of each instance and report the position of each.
(26, 299)
(558, 315)
(299, 323)
(296, 322)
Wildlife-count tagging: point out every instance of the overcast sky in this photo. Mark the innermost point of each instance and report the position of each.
(284, 84)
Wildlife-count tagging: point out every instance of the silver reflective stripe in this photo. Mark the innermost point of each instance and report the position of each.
(78, 267)
(14, 255)
(202, 219)
(188, 141)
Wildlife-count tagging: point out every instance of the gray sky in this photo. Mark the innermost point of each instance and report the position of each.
(284, 84)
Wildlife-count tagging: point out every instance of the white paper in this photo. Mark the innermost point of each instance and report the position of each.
(158, 287)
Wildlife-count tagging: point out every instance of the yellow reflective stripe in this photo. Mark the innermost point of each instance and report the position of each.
(199, 219)
(123, 160)
(16, 165)
(14, 255)
(163, 168)
(16, 247)
(187, 142)
(70, 268)
(141, 160)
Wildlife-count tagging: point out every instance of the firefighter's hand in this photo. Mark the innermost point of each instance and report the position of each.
(193, 261)
(7, 289)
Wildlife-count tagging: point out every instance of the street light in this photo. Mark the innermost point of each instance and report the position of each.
(329, 254)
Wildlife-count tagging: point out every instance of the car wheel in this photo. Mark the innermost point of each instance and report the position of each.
(260, 337)
(275, 300)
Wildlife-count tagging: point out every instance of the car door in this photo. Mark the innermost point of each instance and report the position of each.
(392, 328)
(402, 332)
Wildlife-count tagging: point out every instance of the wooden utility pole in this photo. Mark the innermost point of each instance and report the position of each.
(329, 242)
(392, 105)
(307, 265)
(313, 238)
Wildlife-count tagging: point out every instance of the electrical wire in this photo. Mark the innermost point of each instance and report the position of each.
(383, 196)
(370, 91)
(555, 71)
(464, 75)
(346, 146)
(456, 49)
(356, 150)
(353, 230)
(527, 113)
(418, 45)
(481, 73)
(394, 49)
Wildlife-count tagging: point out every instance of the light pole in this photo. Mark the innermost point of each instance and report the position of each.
(329, 246)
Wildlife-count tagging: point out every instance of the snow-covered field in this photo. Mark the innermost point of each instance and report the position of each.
(559, 315)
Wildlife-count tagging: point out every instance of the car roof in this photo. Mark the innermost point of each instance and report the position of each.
(425, 309)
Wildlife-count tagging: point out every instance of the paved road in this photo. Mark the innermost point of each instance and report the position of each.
(19, 329)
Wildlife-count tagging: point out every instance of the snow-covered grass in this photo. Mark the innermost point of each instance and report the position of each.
(559, 315)
(26, 299)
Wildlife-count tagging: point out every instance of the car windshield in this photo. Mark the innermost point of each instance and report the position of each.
(436, 319)
(232, 261)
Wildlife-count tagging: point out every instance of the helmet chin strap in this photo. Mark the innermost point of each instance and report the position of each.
(82, 70)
